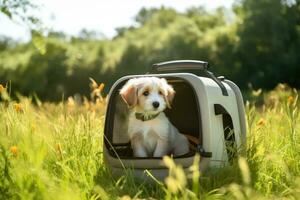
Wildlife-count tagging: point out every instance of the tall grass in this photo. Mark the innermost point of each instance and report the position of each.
(54, 151)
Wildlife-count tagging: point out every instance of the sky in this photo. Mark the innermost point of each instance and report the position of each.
(71, 16)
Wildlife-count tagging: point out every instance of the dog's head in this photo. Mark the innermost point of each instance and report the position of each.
(148, 94)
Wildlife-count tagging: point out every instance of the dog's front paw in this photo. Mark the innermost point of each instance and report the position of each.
(137, 145)
(140, 152)
(161, 149)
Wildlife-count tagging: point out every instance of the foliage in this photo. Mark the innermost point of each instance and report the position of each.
(54, 151)
(269, 41)
(19, 10)
(256, 44)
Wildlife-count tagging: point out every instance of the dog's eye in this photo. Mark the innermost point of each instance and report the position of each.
(146, 93)
(160, 93)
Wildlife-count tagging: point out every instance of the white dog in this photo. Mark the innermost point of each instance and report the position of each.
(149, 130)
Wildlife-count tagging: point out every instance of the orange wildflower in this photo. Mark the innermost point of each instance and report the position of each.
(86, 104)
(14, 150)
(261, 122)
(101, 87)
(2, 88)
(93, 84)
(97, 91)
(18, 107)
(290, 100)
(71, 103)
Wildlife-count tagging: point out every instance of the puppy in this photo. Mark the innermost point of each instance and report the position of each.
(149, 130)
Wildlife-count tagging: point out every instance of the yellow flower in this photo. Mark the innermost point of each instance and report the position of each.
(2, 88)
(93, 84)
(101, 87)
(290, 100)
(281, 86)
(261, 122)
(71, 103)
(256, 93)
(86, 103)
(97, 91)
(18, 107)
(14, 150)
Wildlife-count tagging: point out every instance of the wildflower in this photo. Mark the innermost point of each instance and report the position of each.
(101, 87)
(18, 107)
(14, 150)
(99, 102)
(97, 91)
(281, 87)
(261, 122)
(71, 102)
(256, 93)
(2, 88)
(290, 100)
(93, 84)
(86, 103)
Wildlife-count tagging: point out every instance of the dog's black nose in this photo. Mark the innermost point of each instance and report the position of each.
(155, 104)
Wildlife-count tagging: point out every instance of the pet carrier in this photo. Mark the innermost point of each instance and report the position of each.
(207, 109)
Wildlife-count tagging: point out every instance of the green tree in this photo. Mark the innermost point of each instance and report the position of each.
(46, 74)
(19, 10)
(269, 42)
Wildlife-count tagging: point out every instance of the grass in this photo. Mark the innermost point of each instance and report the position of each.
(54, 151)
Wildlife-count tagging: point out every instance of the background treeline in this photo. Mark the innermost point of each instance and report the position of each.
(256, 42)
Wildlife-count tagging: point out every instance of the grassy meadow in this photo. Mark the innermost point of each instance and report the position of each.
(54, 151)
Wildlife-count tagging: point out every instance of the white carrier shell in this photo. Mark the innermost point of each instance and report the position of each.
(215, 105)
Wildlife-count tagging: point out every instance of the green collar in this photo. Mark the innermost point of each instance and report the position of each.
(143, 117)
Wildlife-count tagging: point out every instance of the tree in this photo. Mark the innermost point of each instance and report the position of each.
(144, 15)
(269, 42)
(18, 10)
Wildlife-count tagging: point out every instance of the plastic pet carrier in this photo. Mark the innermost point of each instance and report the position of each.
(207, 109)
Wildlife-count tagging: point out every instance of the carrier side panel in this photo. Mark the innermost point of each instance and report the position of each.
(215, 121)
(241, 108)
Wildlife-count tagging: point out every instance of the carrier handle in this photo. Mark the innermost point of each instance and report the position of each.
(178, 65)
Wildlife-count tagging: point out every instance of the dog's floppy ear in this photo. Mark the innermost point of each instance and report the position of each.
(129, 93)
(169, 92)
